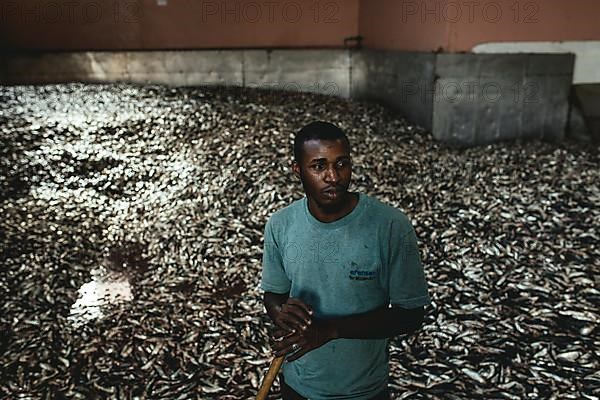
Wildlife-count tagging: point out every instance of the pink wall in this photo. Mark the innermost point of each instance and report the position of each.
(181, 24)
(409, 25)
(397, 25)
(541, 20)
(455, 25)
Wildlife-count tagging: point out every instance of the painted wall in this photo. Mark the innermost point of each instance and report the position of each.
(539, 20)
(398, 25)
(457, 25)
(408, 25)
(175, 24)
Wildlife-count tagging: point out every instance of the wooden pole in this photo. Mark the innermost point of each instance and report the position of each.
(270, 377)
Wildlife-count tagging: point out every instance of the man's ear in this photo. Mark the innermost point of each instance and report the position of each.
(296, 169)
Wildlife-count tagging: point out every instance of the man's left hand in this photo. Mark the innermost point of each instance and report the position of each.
(302, 341)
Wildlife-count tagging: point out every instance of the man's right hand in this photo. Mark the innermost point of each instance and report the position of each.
(293, 315)
(289, 314)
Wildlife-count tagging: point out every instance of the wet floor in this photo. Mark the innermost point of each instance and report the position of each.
(105, 289)
(110, 284)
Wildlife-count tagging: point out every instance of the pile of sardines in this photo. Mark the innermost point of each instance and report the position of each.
(131, 240)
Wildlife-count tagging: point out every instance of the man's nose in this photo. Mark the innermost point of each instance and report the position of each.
(332, 175)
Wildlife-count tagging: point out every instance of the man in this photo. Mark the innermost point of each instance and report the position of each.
(341, 275)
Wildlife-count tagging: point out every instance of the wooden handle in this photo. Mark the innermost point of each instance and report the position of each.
(269, 378)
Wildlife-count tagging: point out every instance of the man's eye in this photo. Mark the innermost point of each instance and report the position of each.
(342, 164)
(318, 167)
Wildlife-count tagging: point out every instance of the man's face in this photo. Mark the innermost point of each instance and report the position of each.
(325, 170)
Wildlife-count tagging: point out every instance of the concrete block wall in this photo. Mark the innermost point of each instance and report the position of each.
(403, 81)
(464, 99)
(179, 68)
(317, 71)
(484, 98)
(585, 111)
(314, 71)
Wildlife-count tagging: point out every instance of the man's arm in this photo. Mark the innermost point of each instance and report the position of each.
(381, 323)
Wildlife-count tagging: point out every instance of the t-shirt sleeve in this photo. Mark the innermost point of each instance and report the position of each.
(274, 278)
(407, 285)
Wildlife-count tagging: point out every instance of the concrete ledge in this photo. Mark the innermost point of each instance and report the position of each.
(316, 71)
(586, 99)
(320, 71)
(401, 80)
(484, 98)
(464, 99)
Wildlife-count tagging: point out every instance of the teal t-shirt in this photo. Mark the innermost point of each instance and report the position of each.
(361, 262)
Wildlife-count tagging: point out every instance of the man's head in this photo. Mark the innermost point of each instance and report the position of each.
(317, 130)
(322, 162)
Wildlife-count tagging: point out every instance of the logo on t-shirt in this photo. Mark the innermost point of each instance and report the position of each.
(362, 275)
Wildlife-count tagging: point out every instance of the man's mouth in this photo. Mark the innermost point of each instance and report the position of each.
(332, 193)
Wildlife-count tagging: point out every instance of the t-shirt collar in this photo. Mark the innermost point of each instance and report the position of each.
(351, 216)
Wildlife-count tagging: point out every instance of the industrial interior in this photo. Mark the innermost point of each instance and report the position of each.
(146, 142)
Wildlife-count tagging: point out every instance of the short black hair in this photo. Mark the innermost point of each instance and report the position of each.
(318, 130)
